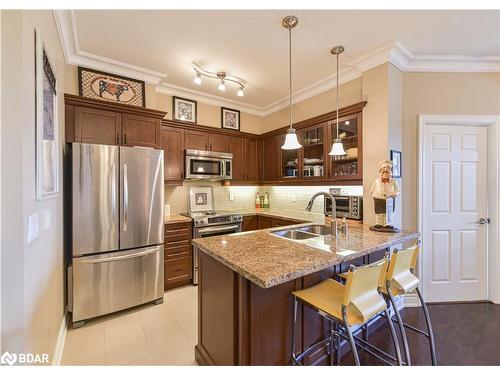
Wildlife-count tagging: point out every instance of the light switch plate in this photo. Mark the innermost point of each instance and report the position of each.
(32, 227)
(231, 196)
(47, 220)
(294, 198)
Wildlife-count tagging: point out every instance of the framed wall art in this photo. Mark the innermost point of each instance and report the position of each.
(184, 109)
(46, 119)
(110, 87)
(230, 119)
(396, 163)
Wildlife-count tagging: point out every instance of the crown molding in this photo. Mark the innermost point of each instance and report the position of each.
(73, 55)
(392, 52)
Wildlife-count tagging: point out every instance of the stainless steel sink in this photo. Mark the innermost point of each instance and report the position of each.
(294, 234)
(316, 229)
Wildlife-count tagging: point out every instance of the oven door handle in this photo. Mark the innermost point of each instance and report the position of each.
(217, 229)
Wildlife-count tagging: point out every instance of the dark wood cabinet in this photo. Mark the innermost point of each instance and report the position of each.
(270, 159)
(178, 260)
(252, 160)
(201, 140)
(196, 140)
(250, 223)
(218, 142)
(95, 121)
(237, 148)
(140, 131)
(97, 126)
(172, 141)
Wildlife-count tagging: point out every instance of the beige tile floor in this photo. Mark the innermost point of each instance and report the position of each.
(162, 334)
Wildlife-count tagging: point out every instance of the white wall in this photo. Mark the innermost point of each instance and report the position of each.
(32, 274)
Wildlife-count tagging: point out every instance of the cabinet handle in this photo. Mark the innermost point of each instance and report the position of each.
(210, 146)
(117, 138)
(125, 139)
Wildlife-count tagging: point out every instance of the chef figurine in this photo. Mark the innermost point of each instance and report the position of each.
(384, 192)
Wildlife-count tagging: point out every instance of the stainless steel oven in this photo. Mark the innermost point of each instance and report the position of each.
(349, 206)
(213, 225)
(208, 165)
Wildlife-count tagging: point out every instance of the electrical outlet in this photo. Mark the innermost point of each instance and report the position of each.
(32, 227)
(294, 198)
(231, 196)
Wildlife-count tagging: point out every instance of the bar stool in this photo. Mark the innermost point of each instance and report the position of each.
(400, 280)
(345, 307)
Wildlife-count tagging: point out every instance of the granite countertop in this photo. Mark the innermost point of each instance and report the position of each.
(268, 260)
(171, 219)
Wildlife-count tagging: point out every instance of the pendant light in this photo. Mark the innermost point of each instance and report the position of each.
(291, 141)
(337, 147)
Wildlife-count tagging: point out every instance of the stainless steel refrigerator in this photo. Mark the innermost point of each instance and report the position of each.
(116, 229)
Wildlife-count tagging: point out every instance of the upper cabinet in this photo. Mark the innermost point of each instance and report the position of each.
(349, 166)
(312, 164)
(172, 140)
(314, 152)
(94, 121)
(201, 140)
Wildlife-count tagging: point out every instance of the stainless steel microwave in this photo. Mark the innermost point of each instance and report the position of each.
(208, 165)
(348, 206)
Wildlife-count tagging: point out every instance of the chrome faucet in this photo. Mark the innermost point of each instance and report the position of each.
(334, 209)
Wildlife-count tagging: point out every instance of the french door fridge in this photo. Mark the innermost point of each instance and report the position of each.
(117, 229)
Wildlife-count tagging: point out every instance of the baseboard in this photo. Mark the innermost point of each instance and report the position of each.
(61, 338)
(411, 300)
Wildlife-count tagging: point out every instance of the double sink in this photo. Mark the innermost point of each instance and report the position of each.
(317, 236)
(311, 235)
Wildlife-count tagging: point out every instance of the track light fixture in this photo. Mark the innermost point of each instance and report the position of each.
(223, 77)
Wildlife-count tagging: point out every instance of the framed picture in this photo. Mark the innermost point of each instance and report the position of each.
(47, 141)
(396, 163)
(230, 118)
(184, 109)
(110, 87)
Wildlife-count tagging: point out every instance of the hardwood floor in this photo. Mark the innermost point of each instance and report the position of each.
(466, 334)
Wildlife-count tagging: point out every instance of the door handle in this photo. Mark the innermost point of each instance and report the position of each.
(483, 221)
(113, 258)
(125, 198)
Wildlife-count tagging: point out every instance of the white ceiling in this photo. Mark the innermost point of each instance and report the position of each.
(253, 44)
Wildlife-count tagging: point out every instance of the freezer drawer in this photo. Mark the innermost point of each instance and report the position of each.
(105, 283)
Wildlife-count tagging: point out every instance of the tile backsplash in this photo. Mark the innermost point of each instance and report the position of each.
(280, 197)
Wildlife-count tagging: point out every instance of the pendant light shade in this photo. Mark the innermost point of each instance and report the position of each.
(291, 141)
(337, 146)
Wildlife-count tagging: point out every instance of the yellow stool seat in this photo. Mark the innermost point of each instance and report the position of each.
(328, 296)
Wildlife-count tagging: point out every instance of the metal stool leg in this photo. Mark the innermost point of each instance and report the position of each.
(351, 338)
(394, 337)
(332, 345)
(295, 303)
(337, 345)
(429, 328)
(401, 326)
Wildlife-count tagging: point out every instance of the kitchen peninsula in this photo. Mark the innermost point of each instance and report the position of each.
(246, 280)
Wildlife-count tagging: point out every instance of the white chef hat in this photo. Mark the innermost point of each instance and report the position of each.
(384, 164)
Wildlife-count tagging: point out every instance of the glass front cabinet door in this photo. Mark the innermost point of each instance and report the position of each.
(314, 152)
(349, 166)
(289, 162)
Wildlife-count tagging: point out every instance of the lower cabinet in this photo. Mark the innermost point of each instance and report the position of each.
(178, 263)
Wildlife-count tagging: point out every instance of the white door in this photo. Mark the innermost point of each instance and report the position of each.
(454, 200)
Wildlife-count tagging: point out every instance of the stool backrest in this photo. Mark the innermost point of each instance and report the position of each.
(361, 289)
(400, 268)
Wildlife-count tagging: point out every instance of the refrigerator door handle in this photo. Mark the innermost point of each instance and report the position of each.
(120, 257)
(114, 189)
(125, 198)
